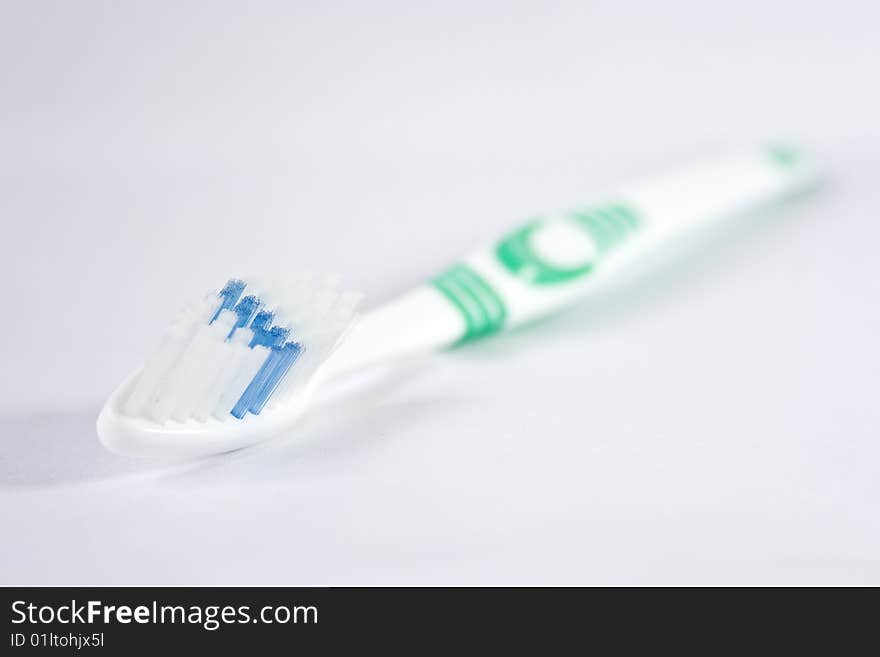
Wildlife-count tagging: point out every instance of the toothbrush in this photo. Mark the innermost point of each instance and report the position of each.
(240, 366)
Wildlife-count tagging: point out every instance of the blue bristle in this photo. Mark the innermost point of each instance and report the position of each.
(265, 335)
(244, 402)
(284, 358)
(262, 320)
(278, 335)
(258, 391)
(245, 310)
(230, 295)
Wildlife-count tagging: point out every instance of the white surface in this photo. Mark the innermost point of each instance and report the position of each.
(716, 423)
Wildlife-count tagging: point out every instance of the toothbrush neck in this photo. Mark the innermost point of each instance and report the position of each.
(417, 322)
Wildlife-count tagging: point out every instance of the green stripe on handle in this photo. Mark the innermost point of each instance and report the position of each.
(480, 305)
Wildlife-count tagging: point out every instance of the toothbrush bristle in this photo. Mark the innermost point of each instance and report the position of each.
(241, 349)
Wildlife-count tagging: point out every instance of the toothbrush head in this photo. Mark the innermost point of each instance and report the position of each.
(232, 369)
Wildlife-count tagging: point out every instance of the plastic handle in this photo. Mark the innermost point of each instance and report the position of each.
(551, 261)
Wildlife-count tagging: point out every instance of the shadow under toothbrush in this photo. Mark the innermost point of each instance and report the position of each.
(52, 447)
(46, 448)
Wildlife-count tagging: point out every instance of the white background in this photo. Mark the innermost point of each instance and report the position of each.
(716, 423)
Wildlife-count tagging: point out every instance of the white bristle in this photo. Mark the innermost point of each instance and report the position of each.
(322, 336)
(174, 344)
(232, 360)
(169, 350)
(211, 357)
(252, 361)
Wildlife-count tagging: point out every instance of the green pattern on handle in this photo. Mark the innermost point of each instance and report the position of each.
(785, 156)
(607, 226)
(480, 305)
(482, 309)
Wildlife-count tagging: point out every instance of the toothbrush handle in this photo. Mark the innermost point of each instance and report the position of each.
(551, 261)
